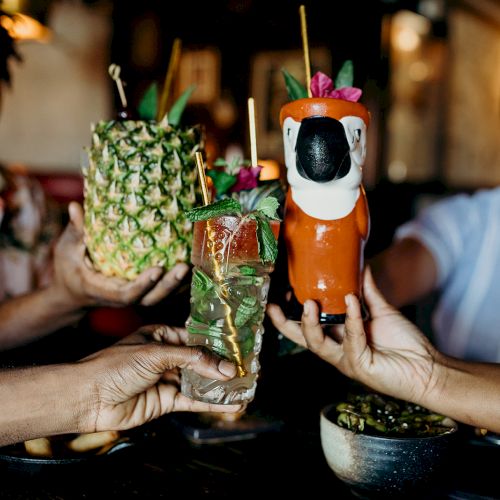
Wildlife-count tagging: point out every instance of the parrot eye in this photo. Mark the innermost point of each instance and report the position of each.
(288, 132)
(357, 134)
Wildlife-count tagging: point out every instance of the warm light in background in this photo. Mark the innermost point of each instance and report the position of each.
(270, 170)
(21, 27)
(397, 171)
(12, 6)
(407, 30)
(406, 39)
(418, 71)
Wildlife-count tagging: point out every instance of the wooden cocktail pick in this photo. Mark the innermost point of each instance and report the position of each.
(114, 72)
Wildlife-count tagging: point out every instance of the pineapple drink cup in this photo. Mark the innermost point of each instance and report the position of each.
(228, 299)
(138, 184)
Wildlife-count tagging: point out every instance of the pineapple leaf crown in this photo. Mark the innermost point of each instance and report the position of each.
(148, 106)
(323, 86)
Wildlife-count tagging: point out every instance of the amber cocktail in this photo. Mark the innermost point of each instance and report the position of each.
(228, 299)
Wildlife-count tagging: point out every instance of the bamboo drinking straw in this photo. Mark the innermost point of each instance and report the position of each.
(305, 46)
(173, 64)
(202, 177)
(253, 134)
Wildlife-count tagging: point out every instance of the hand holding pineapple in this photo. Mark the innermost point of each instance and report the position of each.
(82, 286)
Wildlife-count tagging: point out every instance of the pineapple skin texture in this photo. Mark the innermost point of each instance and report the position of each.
(139, 182)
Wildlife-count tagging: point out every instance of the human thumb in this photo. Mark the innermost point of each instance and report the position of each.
(76, 216)
(163, 357)
(354, 342)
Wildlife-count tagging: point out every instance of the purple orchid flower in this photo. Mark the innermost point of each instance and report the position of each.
(247, 178)
(322, 86)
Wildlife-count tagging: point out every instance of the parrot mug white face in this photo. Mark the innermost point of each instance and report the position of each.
(324, 159)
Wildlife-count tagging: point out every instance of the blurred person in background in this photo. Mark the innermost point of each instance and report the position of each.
(48, 283)
(452, 247)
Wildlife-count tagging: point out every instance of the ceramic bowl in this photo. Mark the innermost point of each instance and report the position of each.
(380, 467)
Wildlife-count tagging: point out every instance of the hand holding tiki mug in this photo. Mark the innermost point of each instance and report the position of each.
(326, 219)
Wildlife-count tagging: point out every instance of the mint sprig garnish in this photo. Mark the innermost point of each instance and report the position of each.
(228, 206)
(269, 207)
(232, 167)
(268, 246)
(265, 210)
(223, 181)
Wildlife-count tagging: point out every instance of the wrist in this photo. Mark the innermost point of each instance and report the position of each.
(434, 390)
(44, 401)
(61, 297)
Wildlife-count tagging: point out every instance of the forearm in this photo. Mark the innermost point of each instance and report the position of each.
(467, 392)
(43, 401)
(405, 272)
(28, 317)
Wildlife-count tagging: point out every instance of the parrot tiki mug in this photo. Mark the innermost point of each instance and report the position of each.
(326, 217)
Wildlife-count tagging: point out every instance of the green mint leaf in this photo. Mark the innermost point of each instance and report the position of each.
(268, 206)
(149, 103)
(268, 246)
(247, 270)
(228, 206)
(294, 88)
(222, 181)
(236, 164)
(201, 281)
(175, 113)
(246, 311)
(220, 162)
(246, 340)
(345, 77)
(215, 334)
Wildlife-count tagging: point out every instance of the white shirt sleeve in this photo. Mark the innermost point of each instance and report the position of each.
(443, 228)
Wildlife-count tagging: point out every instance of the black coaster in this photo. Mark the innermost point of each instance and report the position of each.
(213, 428)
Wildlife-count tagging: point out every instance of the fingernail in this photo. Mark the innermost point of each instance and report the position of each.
(227, 368)
(307, 309)
(155, 275)
(348, 300)
(179, 275)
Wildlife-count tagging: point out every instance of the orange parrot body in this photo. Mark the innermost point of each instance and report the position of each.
(326, 220)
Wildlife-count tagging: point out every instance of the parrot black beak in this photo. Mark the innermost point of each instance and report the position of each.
(322, 150)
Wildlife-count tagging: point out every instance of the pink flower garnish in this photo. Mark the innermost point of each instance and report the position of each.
(322, 86)
(247, 178)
